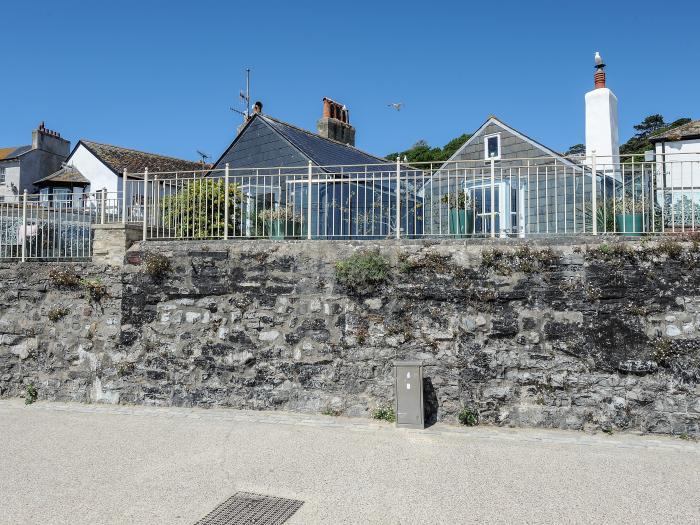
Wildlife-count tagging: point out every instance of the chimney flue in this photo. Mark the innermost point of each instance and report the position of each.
(602, 123)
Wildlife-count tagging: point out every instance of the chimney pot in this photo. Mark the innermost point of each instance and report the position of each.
(599, 78)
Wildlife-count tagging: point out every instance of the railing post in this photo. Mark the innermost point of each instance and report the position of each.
(493, 199)
(594, 194)
(398, 196)
(24, 226)
(308, 202)
(103, 205)
(124, 199)
(226, 202)
(145, 203)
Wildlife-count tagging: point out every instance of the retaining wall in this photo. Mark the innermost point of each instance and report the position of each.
(578, 338)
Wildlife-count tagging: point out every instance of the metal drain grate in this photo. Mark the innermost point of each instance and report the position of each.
(246, 508)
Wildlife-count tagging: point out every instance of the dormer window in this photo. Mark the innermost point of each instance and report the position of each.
(492, 146)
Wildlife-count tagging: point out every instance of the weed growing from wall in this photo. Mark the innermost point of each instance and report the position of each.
(384, 413)
(57, 313)
(362, 271)
(64, 277)
(30, 394)
(468, 417)
(525, 259)
(95, 289)
(156, 265)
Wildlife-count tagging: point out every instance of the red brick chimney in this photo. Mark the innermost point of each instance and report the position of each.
(335, 123)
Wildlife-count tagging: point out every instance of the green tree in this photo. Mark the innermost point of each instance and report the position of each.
(576, 149)
(422, 152)
(197, 210)
(650, 126)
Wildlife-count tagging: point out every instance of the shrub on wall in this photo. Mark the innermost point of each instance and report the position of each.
(524, 259)
(64, 276)
(57, 313)
(156, 265)
(95, 288)
(362, 271)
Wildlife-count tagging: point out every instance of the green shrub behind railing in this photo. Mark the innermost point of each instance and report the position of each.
(198, 210)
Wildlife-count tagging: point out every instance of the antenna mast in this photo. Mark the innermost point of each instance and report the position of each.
(246, 97)
(247, 92)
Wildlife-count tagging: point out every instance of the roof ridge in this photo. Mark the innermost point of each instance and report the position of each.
(678, 131)
(316, 135)
(137, 151)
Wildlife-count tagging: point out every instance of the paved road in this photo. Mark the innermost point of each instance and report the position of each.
(96, 464)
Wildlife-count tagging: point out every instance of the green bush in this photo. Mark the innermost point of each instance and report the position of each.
(384, 413)
(362, 270)
(156, 265)
(468, 417)
(30, 394)
(198, 209)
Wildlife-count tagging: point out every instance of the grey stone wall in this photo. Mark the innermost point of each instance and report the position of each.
(578, 338)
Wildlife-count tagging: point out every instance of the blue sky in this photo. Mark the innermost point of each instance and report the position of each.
(160, 76)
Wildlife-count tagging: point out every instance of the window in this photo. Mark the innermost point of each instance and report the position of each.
(2, 175)
(44, 195)
(61, 196)
(492, 146)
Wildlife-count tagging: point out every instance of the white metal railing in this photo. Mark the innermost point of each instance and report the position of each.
(458, 199)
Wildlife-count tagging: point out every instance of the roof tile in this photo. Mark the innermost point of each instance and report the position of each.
(119, 159)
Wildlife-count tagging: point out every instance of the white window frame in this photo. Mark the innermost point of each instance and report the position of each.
(486, 146)
(3, 174)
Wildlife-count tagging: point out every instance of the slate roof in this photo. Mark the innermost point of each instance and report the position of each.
(67, 174)
(118, 159)
(13, 152)
(320, 150)
(691, 130)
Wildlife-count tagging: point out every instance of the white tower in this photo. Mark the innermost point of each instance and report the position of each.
(601, 123)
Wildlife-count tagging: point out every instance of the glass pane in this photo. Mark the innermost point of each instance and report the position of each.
(492, 146)
(60, 194)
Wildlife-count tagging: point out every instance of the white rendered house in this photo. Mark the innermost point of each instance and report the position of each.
(93, 167)
(677, 157)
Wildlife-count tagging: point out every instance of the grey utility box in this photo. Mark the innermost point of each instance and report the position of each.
(408, 382)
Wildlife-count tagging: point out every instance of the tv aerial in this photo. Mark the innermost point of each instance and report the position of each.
(244, 96)
(204, 156)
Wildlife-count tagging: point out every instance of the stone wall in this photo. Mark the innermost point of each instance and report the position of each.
(568, 337)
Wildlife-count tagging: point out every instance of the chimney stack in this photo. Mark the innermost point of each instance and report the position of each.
(335, 123)
(601, 122)
(49, 140)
